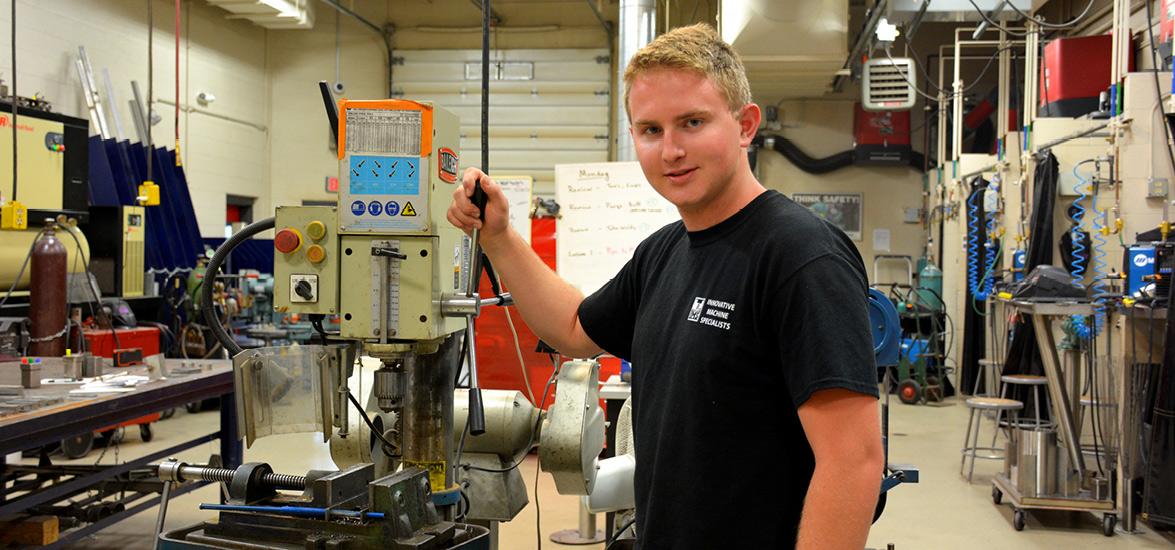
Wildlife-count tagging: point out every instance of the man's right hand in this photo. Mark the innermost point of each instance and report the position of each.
(465, 216)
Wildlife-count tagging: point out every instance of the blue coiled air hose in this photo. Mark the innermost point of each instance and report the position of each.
(980, 286)
(1077, 268)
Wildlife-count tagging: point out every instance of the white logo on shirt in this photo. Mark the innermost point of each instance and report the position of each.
(695, 311)
(715, 313)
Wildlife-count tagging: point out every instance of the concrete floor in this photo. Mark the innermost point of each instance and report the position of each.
(942, 511)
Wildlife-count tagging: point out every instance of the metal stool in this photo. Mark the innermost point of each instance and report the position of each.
(971, 448)
(991, 371)
(1036, 382)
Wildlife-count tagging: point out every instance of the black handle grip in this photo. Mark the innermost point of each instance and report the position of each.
(479, 199)
(332, 110)
(477, 413)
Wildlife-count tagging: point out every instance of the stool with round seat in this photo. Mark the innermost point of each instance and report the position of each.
(991, 372)
(1036, 382)
(1001, 407)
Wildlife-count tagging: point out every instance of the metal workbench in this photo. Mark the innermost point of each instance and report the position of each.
(25, 487)
(1064, 390)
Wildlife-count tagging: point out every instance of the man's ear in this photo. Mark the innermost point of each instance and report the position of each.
(749, 117)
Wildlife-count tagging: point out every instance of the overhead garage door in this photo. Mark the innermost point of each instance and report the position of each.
(547, 107)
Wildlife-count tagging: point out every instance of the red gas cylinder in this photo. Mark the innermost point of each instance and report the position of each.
(47, 298)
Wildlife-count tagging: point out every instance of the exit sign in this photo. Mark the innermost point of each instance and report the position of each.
(332, 184)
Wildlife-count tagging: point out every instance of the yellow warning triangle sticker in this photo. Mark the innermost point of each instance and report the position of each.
(408, 210)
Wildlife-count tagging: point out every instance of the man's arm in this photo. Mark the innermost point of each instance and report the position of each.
(844, 430)
(548, 304)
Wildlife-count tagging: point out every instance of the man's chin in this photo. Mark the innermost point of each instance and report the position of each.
(681, 196)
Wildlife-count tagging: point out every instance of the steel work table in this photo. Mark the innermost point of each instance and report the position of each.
(1064, 391)
(88, 413)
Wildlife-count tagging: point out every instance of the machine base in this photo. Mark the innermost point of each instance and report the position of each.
(312, 535)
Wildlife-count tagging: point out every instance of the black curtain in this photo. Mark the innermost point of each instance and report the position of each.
(1023, 355)
(1159, 497)
(974, 312)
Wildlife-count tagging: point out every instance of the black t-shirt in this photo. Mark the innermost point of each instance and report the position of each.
(729, 330)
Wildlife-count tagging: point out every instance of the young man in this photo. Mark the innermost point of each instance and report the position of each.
(754, 389)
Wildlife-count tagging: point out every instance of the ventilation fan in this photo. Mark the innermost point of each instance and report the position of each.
(888, 84)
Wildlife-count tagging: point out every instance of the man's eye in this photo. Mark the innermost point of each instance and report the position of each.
(651, 130)
(693, 122)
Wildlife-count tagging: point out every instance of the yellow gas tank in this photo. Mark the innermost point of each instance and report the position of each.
(15, 246)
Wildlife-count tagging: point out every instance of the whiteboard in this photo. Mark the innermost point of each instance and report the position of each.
(606, 210)
(518, 195)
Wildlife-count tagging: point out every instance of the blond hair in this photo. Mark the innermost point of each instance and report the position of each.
(695, 48)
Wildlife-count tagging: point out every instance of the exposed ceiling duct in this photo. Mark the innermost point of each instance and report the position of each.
(638, 24)
(957, 11)
(790, 49)
(271, 14)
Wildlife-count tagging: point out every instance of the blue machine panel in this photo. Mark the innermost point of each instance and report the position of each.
(1019, 261)
(379, 175)
(1139, 262)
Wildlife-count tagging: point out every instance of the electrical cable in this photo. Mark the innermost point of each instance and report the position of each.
(616, 534)
(538, 509)
(975, 81)
(212, 270)
(1158, 91)
(20, 272)
(993, 23)
(89, 285)
(14, 102)
(911, 82)
(464, 359)
(530, 442)
(177, 83)
(1046, 25)
(150, 81)
(518, 352)
(390, 447)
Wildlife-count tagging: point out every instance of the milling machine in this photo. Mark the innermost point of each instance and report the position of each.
(403, 281)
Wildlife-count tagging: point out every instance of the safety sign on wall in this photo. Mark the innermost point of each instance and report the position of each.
(841, 209)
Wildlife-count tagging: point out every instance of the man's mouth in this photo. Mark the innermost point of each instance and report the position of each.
(677, 174)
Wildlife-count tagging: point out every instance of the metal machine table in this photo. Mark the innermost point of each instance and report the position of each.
(82, 414)
(1064, 392)
(1132, 320)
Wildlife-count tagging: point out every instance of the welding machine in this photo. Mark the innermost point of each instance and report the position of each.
(1137, 263)
(1146, 263)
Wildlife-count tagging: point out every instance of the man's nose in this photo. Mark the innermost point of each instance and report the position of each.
(671, 149)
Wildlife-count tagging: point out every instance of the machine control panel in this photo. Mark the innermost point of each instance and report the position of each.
(306, 260)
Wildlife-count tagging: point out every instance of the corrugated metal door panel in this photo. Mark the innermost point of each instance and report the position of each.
(526, 87)
(547, 107)
(532, 115)
(557, 55)
(499, 99)
(529, 131)
(415, 69)
(534, 144)
(542, 160)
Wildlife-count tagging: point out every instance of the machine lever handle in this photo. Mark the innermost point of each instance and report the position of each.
(477, 415)
(479, 199)
(388, 252)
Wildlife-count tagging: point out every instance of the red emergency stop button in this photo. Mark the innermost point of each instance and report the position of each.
(287, 240)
